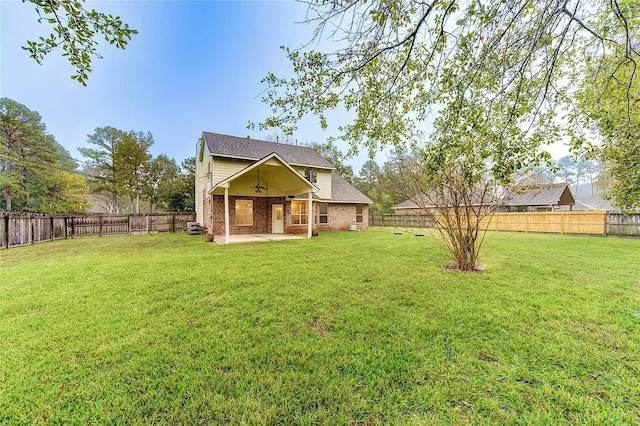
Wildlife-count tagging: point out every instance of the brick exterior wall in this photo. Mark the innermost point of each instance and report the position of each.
(261, 215)
(340, 216)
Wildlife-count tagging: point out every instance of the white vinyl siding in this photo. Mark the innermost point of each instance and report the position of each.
(323, 183)
(225, 167)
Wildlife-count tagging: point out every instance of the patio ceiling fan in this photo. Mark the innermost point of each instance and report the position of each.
(259, 187)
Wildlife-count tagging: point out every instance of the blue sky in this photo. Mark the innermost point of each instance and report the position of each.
(194, 66)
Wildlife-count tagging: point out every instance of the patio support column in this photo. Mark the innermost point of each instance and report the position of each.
(310, 216)
(226, 215)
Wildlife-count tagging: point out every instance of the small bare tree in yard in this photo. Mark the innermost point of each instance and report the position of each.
(469, 166)
(461, 199)
(461, 212)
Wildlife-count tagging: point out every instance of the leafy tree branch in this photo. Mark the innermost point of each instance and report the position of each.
(76, 31)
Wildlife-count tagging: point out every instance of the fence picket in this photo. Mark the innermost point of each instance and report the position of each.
(570, 222)
(23, 228)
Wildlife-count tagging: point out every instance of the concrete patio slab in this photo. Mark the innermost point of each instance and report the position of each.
(255, 238)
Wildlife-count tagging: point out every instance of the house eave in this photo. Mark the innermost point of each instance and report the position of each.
(236, 157)
(343, 201)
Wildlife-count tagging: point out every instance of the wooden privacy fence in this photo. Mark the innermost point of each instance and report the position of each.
(19, 228)
(582, 222)
(565, 222)
(402, 220)
(623, 224)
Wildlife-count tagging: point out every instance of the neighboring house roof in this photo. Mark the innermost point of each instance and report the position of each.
(422, 201)
(540, 195)
(594, 202)
(408, 204)
(543, 195)
(343, 191)
(254, 149)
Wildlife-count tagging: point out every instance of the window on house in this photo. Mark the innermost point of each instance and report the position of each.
(299, 212)
(359, 215)
(244, 212)
(322, 215)
(311, 175)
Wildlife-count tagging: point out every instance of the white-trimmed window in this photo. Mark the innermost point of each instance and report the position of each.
(244, 212)
(359, 215)
(322, 213)
(311, 175)
(299, 212)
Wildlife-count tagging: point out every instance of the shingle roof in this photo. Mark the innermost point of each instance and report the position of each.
(594, 202)
(343, 191)
(422, 201)
(254, 149)
(407, 204)
(543, 195)
(540, 195)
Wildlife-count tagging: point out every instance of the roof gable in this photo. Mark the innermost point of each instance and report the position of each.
(254, 149)
(271, 159)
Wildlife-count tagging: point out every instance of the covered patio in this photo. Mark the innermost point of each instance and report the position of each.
(252, 203)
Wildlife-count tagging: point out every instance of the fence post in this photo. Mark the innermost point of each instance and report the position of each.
(32, 232)
(6, 230)
(148, 223)
(100, 226)
(173, 223)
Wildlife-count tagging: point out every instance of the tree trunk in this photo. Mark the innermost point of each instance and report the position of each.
(114, 202)
(7, 198)
(8, 167)
(466, 254)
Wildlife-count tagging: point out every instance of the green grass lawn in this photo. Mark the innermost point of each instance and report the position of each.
(346, 328)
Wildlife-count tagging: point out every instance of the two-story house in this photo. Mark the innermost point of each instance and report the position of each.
(248, 186)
